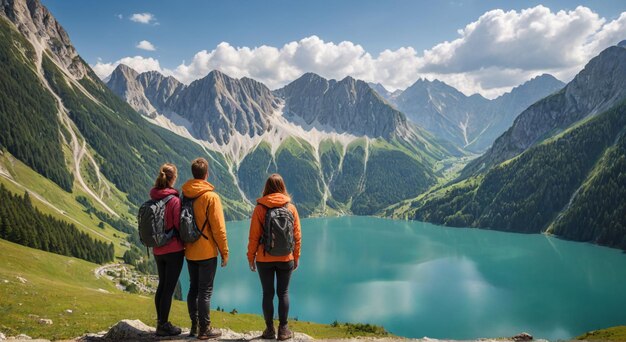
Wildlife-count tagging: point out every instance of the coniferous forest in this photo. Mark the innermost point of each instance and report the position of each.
(22, 223)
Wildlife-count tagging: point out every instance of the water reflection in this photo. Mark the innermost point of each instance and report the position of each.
(419, 280)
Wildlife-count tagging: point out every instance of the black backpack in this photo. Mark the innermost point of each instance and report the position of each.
(188, 230)
(151, 223)
(277, 237)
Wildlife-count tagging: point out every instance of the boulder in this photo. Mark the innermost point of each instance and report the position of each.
(522, 337)
(129, 330)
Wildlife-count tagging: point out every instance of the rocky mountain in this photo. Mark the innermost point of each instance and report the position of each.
(158, 88)
(560, 169)
(123, 82)
(598, 87)
(306, 131)
(390, 96)
(75, 131)
(470, 122)
(346, 106)
(218, 107)
(232, 106)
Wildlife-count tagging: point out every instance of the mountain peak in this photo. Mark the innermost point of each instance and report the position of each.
(123, 69)
(622, 43)
(38, 25)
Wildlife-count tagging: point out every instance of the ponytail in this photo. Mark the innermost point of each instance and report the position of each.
(166, 177)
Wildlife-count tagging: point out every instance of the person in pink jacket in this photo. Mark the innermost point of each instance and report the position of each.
(169, 257)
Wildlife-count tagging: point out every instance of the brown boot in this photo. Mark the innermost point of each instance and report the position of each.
(269, 333)
(284, 333)
(206, 333)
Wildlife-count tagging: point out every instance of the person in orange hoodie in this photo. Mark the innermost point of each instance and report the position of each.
(272, 267)
(202, 254)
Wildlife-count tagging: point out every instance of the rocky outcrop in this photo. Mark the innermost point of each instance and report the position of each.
(348, 105)
(158, 89)
(598, 87)
(218, 106)
(38, 25)
(124, 82)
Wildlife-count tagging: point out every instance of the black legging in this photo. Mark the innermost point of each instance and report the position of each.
(169, 267)
(282, 272)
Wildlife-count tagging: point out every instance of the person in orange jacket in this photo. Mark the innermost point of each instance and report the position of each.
(272, 267)
(202, 254)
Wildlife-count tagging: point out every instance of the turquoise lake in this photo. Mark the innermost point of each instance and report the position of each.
(418, 279)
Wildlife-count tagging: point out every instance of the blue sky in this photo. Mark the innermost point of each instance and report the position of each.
(183, 28)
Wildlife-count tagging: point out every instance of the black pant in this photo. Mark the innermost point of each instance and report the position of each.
(282, 272)
(169, 267)
(201, 276)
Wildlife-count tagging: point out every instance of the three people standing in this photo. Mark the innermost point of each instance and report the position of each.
(202, 255)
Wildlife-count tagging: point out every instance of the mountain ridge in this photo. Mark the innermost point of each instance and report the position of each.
(471, 122)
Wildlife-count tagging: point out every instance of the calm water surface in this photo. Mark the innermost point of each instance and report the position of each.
(418, 279)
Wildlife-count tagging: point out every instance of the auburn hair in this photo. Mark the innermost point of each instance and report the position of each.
(167, 176)
(199, 168)
(275, 184)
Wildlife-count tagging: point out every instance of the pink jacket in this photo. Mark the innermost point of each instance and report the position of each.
(172, 219)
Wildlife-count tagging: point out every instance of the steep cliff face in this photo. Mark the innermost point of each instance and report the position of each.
(123, 82)
(598, 87)
(348, 105)
(158, 89)
(219, 106)
(37, 24)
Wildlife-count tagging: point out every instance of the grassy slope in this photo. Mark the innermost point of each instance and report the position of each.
(61, 283)
(52, 193)
(610, 334)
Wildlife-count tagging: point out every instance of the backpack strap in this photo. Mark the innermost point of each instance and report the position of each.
(164, 201)
(205, 224)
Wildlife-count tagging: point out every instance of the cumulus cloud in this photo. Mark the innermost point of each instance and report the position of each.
(143, 18)
(138, 63)
(145, 45)
(498, 51)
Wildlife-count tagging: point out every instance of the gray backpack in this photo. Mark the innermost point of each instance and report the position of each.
(151, 223)
(188, 230)
(277, 237)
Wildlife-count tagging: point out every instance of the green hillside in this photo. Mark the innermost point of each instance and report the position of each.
(129, 149)
(30, 110)
(528, 192)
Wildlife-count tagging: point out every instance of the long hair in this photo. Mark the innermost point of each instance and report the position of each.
(167, 174)
(274, 184)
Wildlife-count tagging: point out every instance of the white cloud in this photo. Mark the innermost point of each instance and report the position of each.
(138, 63)
(498, 51)
(145, 45)
(119, 16)
(143, 18)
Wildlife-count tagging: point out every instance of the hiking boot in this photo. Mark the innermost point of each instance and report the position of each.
(269, 333)
(284, 333)
(167, 329)
(193, 331)
(206, 333)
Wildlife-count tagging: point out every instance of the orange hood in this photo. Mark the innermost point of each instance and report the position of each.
(273, 200)
(196, 187)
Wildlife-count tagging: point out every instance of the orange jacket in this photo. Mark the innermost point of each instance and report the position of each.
(215, 230)
(255, 249)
